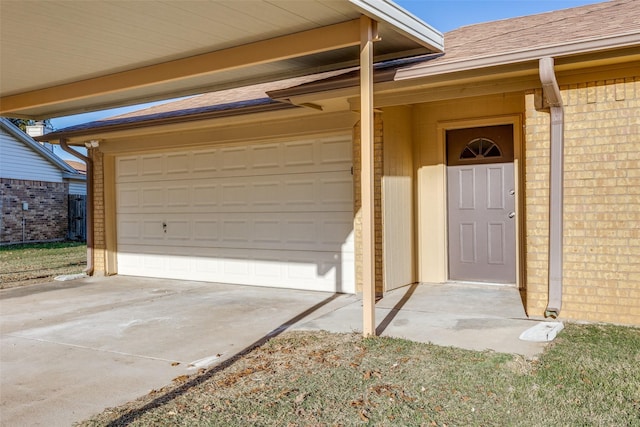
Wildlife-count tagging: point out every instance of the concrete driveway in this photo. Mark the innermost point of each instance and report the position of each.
(70, 349)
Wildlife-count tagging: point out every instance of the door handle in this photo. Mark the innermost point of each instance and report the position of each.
(512, 192)
(512, 214)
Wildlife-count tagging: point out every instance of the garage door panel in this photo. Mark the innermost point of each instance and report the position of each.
(205, 164)
(206, 230)
(262, 194)
(152, 165)
(258, 159)
(178, 164)
(266, 156)
(128, 199)
(234, 159)
(265, 213)
(180, 230)
(127, 168)
(153, 197)
(151, 230)
(336, 192)
(128, 229)
(281, 193)
(267, 231)
(336, 152)
(235, 232)
(321, 271)
(205, 196)
(235, 195)
(318, 231)
(299, 192)
(178, 196)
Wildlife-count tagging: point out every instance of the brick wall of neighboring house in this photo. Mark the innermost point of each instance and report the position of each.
(378, 156)
(99, 237)
(46, 217)
(602, 202)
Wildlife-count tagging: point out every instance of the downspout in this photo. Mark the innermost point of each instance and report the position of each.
(553, 97)
(89, 163)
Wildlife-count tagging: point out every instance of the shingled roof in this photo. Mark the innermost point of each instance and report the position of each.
(544, 32)
(545, 29)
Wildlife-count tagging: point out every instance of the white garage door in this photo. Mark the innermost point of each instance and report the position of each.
(267, 214)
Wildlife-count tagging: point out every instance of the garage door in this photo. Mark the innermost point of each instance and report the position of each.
(268, 214)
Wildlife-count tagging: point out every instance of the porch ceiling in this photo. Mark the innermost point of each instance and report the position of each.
(59, 57)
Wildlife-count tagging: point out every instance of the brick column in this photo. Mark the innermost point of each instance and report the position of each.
(99, 238)
(378, 158)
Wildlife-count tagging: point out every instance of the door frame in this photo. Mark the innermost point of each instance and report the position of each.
(518, 171)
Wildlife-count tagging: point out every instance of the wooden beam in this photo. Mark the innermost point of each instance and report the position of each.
(322, 39)
(368, 36)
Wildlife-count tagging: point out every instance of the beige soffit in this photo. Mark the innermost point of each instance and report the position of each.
(211, 105)
(59, 57)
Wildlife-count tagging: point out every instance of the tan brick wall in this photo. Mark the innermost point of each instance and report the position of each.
(378, 164)
(601, 263)
(99, 236)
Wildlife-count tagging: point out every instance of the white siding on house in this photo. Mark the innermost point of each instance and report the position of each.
(77, 187)
(17, 161)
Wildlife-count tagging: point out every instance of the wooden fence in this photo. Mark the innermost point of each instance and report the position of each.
(77, 217)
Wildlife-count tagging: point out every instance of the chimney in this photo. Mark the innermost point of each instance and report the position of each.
(39, 128)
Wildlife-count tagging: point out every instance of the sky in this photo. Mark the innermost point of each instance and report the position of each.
(443, 15)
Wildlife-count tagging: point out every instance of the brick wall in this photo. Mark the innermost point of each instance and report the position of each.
(46, 218)
(601, 263)
(99, 237)
(378, 158)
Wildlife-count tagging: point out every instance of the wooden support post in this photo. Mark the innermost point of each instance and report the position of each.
(368, 35)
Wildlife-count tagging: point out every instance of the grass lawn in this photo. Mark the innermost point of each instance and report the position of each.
(40, 262)
(589, 376)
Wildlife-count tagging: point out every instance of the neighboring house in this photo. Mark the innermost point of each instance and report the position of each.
(35, 185)
(261, 185)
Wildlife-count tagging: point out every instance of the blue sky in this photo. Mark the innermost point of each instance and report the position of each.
(444, 15)
(447, 15)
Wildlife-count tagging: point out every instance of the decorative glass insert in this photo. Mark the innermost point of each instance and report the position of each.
(480, 148)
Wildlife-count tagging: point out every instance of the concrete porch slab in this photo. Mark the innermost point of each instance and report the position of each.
(474, 317)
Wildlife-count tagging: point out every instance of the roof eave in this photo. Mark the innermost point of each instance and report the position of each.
(403, 22)
(77, 176)
(556, 51)
(146, 123)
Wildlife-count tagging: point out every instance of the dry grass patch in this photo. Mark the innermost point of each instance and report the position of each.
(40, 262)
(590, 376)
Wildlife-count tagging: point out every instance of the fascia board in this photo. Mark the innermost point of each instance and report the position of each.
(402, 21)
(133, 124)
(555, 51)
(74, 176)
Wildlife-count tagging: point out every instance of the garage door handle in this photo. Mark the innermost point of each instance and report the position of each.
(512, 214)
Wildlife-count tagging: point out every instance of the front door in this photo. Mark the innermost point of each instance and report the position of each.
(481, 204)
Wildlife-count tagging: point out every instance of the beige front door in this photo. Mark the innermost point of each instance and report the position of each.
(481, 204)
